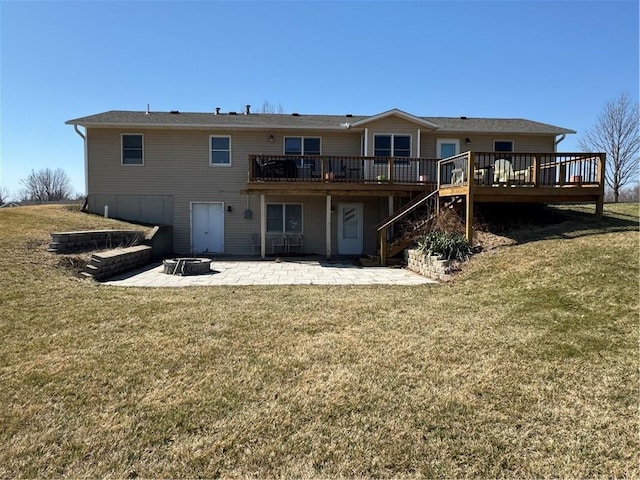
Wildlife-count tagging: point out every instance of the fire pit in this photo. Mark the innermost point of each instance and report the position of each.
(187, 266)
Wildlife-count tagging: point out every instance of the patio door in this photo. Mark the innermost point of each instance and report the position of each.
(207, 228)
(447, 147)
(350, 221)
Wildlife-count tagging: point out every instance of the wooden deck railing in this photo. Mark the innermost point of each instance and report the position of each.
(521, 169)
(309, 168)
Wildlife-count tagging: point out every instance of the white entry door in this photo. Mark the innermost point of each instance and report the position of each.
(350, 221)
(207, 228)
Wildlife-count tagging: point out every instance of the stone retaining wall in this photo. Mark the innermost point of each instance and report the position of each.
(112, 262)
(428, 265)
(72, 242)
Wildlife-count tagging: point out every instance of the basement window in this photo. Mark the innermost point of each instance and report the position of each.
(284, 218)
(132, 149)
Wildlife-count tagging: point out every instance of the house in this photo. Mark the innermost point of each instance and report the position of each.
(241, 182)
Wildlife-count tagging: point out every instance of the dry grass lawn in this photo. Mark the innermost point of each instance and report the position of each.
(525, 366)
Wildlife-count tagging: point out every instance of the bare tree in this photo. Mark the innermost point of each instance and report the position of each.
(268, 108)
(616, 134)
(4, 195)
(46, 185)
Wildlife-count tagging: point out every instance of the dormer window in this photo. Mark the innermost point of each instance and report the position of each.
(392, 146)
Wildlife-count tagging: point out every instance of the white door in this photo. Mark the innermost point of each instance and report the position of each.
(207, 228)
(447, 147)
(350, 221)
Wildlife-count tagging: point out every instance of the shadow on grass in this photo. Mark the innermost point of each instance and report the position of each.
(533, 222)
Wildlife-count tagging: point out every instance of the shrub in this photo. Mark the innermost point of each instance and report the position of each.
(449, 246)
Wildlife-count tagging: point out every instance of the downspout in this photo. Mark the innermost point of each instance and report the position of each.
(86, 160)
(562, 137)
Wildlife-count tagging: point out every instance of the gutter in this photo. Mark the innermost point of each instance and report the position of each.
(86, 160)
(562, 137)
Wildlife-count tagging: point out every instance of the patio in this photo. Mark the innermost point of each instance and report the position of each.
(288, 271)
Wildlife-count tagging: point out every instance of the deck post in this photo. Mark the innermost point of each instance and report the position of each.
(469, 202)
(535, 170)
(383, 247)
(600, 178)
(328, 228)
(263, 226)
(599, 207)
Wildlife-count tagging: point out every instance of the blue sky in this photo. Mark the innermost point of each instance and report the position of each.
(557, 62)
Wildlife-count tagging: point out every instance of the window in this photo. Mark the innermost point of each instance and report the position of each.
(302, 146)
(132, 149)
(392, 146)
(503, 145)
(220, 151)
(284, 218)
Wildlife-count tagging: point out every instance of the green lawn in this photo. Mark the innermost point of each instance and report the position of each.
(526, 365)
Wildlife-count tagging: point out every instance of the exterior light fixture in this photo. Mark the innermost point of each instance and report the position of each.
(271, 138)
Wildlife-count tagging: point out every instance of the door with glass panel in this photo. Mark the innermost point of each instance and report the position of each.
(447, 147)
(350, 228)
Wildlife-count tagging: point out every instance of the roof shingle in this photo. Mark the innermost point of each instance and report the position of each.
(116, 118)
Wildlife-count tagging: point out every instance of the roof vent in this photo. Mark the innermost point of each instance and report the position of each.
(248, 109)
(349, 115)
(463, 118)
(233, 113)
(174, 112)
(295, 114)
(217, 110)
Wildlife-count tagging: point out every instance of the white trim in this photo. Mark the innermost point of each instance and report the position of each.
(211, 164)
(122, 150)
(366, 143)
(440, 141)
(191, 223)
(283, 204)
(328, 228)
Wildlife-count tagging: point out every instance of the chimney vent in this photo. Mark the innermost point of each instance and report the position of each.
(248, 109)
(217, 110)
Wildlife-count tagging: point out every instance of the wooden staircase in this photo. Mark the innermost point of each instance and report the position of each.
(423, 208)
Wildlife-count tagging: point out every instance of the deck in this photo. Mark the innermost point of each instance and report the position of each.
(341, 175)
(483, 177)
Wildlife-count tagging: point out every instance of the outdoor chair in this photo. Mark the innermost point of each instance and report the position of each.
(278, 243)
(502, 171)
(256, 243)
(294, 242)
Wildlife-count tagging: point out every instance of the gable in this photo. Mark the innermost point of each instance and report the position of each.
(396, 114)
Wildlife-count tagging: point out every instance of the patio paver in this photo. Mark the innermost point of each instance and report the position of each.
(285, 272)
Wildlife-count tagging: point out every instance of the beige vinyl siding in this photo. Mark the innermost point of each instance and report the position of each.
(314, 213)
(176, 163)
(394, 126)
(177, 172)
(484, 142)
